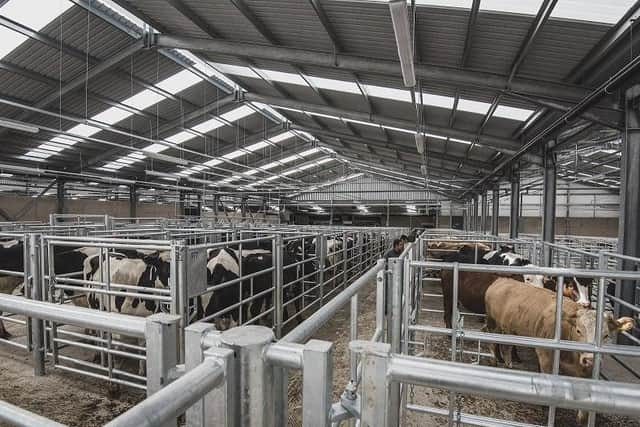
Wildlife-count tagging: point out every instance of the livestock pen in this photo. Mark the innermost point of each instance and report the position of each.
(391, 372)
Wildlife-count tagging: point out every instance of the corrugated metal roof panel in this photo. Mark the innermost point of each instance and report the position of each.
(560, 46)
(292, 22)
(363, 28)
(440, 35)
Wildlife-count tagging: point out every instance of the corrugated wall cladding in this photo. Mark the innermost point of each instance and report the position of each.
(365, 189)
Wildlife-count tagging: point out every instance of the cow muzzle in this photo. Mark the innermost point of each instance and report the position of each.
(586, 360)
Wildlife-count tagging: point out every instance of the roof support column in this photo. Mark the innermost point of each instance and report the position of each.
(474, 220)
(181, 203)
(484, 212)
(628, 226)
(133, 202)
(549, 208)
(495, 211)
(60, 196)
(514, 216)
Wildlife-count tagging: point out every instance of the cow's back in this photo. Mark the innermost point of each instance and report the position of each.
(520, 309)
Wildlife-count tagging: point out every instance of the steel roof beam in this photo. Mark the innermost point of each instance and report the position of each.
(471, 28)
(591, 116)
(80, 80)
(576, 110)
(77, 53)
(55, 84)
(498, 143)
(617, 34)
(451, 76)
(388, 146)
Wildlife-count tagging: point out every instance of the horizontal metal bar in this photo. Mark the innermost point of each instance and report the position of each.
(22, 418)
(285, 355)
(469, 419)
(174, 399)
(550, 271)
(533, 388)
(307, 328)
(116, 293)
(83, 282)
(78, 316)
(533, 342)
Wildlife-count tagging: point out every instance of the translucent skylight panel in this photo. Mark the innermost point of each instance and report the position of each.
(269, 166)
(309, 152)
(66, 140)
(234, 154)
(179, 82)
(137, 155)
(307, 166)
(180, 137)
(282, 137)
(31, 158)
(523, 7)
(473, 106)
(333, 84)
(35, 14)
(10, 40)
(213, 162)
(52, 147)
(143, 100)
(437, 100)
(325, 160)
(271, 178)
(40, 155)
(388, 93)
(291, 171)
(238, 113)
(155, 148)
(513, 113)
(282, 77)
(84, 130)
(607, 12)
(236, 70)
(251, 172)
(445, 3)
(289, 159)
(112, 115)
(257, 146)
(208, 126)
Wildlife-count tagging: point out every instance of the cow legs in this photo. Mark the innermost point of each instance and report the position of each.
(491, 326)
(507, 353)
(3, 331)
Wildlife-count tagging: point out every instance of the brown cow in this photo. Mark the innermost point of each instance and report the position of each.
(517, 309)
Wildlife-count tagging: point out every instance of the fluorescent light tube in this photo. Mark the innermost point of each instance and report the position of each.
(402, 30)
(13, 124)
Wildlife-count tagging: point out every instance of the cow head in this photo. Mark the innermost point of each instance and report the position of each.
(578, 290)
(158, 266)
(583, 329)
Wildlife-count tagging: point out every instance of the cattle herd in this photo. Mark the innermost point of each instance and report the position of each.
(525, 306)
(135, 272)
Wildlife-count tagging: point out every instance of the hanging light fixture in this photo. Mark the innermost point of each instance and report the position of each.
(402, 30)
(420, 143)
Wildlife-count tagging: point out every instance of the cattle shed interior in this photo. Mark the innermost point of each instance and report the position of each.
(201, 202)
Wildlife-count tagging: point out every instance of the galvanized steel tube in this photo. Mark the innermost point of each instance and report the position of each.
(22, 418)
(307, 328)
(169, 402)
(533, 388)
(78, 316)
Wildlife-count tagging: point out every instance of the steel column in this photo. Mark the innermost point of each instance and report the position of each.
(475, 201)
(514, 216)
(549, 208)
(254, 378)
(37, 325)
(629, 221)
(60, 196)
(133, 201)
(495, 211)
(484, 211)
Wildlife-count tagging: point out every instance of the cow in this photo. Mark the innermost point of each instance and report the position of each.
(224, 265)
(152, 271)
(517, 309)
(454, 245)
(11, 259)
